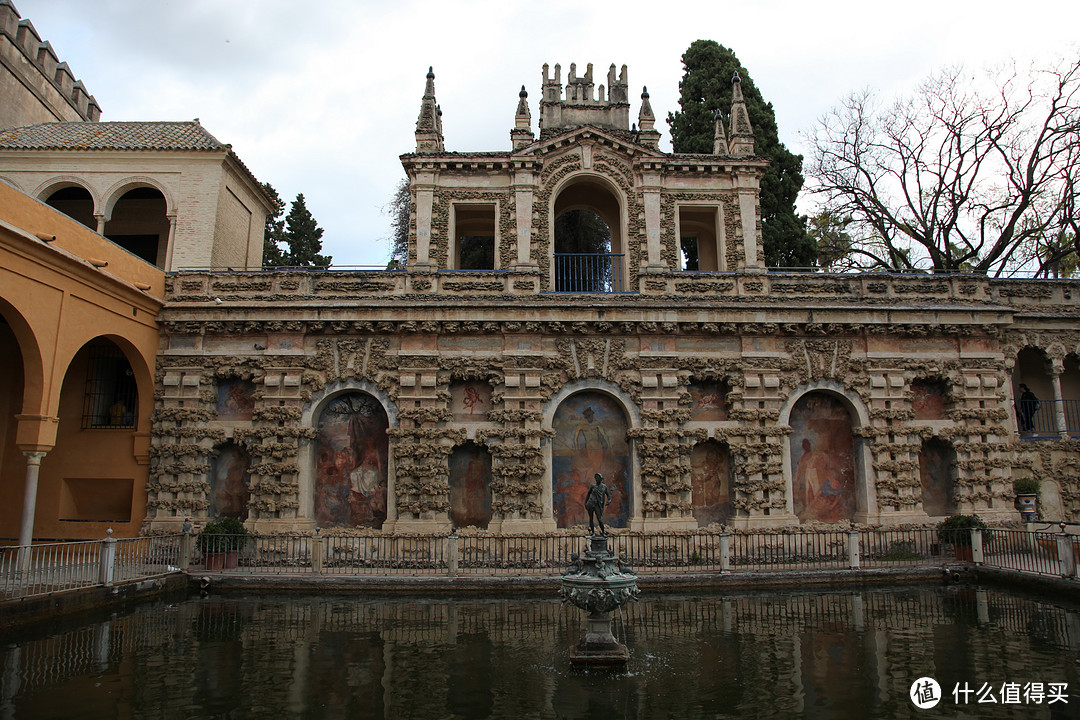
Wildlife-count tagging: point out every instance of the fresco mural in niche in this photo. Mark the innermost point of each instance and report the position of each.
(708, 401)
(229, 482)
(936, 461)
(928, 399)
(823, 456)
(710, 480)
(590, 437)
(235, 400)
(470, 401)
(470, 486)
(351, 462)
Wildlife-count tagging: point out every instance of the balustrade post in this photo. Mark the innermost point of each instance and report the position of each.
(1066, 554)
(317, 553)
(976, 546)
(186, 543)
(452, 555)
(853, 549)
(725, 552)
(107, 560)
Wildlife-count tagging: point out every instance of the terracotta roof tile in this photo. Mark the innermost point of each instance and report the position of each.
(188, 135)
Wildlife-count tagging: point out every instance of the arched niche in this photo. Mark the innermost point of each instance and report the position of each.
(470, 486)
(826, 463)
(591, 426)
(710, 483)
(350, 482)
(937, 477)
(929, 398)
(230, 482)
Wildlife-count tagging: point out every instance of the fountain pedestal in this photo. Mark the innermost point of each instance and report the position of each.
(598, 584)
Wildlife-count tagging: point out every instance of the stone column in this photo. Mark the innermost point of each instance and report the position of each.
(1059, 405)
(33, 469)
(652, 227)
(425, 202)
(171, 242)
(748, 209)
(524, 187)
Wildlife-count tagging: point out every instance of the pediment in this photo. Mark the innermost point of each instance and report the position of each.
(611, 141)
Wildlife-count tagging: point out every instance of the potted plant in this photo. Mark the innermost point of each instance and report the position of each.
(956, 531)
(1027, 498)
(220, 542)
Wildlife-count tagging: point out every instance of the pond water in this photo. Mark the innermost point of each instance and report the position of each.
(851, 654)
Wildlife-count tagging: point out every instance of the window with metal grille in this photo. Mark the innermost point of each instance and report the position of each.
(111, 393)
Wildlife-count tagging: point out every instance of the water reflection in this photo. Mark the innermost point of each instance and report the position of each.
(827, 655)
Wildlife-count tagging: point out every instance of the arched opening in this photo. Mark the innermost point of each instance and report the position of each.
(823, 451)
(710, 481)
(1034, 394)
(230, 482)
(588, 247)
(352, 449)
(75, 202)
(590, 437)
(1070, 394)
(929, 397)
(92, 469)
(12, 476)
(937, 472)
(139, 223)
(470, 486)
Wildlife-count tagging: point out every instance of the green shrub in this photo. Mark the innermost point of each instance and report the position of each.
(222, 535)
(956, 529)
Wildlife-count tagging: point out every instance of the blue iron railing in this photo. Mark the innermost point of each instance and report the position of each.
(588, 273)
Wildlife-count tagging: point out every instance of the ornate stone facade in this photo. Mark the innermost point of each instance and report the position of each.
(725, 393)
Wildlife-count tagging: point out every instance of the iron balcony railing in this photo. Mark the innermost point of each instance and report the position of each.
(1042, 420)
(589, 273)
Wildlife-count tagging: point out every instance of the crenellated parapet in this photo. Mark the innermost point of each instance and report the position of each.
(49, 89)
(581, 102)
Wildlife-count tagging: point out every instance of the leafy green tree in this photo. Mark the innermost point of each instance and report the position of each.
(274, 232)
(705, 88)
(398, 209)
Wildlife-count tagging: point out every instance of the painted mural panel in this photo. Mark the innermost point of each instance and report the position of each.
(710, 480)
(470, 486)
(351, 463)
(823, 456)
(936, 462)
(470, 401)
(235, 400)
(590, 437)
(229, 483)
(708, 401)
(928, 400)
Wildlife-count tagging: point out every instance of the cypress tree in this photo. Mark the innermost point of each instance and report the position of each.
(705, 88)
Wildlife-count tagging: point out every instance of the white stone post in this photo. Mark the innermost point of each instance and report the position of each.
(725, 552)
(853, 549)
(976, 546)
(317, 553)
(1066, 554)
(107, 560)
(452, 555)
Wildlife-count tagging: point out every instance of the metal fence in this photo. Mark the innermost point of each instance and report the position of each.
(1041, 420)
(588, 272)
(49, 568)
(33, 570)
(548, 555)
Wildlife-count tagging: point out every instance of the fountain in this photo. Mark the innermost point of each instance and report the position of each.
(598, 583)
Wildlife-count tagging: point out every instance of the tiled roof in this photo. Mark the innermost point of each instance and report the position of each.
(189, 135)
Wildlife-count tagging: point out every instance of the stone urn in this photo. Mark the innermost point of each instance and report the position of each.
(598, 583)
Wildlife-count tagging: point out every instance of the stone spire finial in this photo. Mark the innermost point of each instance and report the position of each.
(429, 137)
(720, 146)
(648, 134)
(522, 133)
(742, 135)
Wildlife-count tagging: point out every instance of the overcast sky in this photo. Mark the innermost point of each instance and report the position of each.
(321, 97)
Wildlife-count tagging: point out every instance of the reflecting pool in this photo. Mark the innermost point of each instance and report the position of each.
(852, 654)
